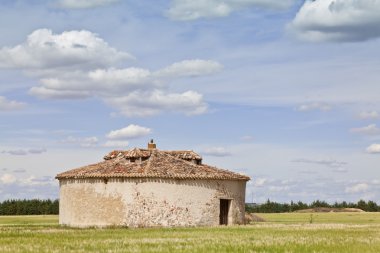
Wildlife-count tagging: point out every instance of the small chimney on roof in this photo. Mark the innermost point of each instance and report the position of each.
(151, 144)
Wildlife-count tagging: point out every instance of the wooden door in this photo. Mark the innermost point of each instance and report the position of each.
(223, 214)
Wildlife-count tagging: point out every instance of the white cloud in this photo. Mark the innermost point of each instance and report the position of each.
(37, 150)
(314, 106)
(216, 151)
(369, 115)
(341, 170)
(37, 181)
(10, 105)
(373, 149)
(71, 49)
(79, 64)
(329, 163)
(247, 138)
(24, 151)
(195, 67)
(19, 171)
(86, 142)
(312, 188)
(84, 4)
(98, 82)
(15, 152)
(123, 77)
(153, 102)
(7, 179)
(44, 187)
(308, 171)
(129, 132)
(47, 93)
(113, 81)
(259, 182)
(145, 95)
(116, 144)
(89, 142)
(367, 130)
(357, 188)
(195, 9)
(277, 188)
(337, 20)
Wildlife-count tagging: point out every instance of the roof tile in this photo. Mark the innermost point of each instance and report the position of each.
(157, 164)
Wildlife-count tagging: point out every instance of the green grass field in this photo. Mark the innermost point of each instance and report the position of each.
(293, 232)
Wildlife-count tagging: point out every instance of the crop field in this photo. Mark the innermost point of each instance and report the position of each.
(290, 232)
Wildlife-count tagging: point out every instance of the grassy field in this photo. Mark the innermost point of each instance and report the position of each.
(322, 218)
(294, 232)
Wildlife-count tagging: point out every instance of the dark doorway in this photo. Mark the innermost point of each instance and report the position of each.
(223, 214)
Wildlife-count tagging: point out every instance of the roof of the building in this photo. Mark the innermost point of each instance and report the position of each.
(145, 153)
(185, 154)
(154, 164)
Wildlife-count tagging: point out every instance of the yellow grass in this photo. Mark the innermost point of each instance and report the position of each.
(341, 232)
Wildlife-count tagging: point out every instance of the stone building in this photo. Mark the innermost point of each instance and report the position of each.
(151, 187)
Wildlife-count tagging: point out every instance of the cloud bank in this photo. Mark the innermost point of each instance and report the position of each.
(27, 187)
(262, 188)
(79, 64)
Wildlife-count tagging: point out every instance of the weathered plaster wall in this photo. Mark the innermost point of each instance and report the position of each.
(148, 202)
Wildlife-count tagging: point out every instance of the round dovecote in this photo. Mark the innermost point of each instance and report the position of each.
(151, 187)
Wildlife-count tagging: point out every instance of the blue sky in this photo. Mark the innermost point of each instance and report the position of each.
(286, 92)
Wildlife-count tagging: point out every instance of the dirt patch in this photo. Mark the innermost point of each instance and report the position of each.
(251, 217)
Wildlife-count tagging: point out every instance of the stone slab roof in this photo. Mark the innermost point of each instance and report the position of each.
(155, 164)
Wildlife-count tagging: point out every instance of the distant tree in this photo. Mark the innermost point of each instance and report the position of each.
(362, 205)
(274, 207)
(29, 207)
(372, 207)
